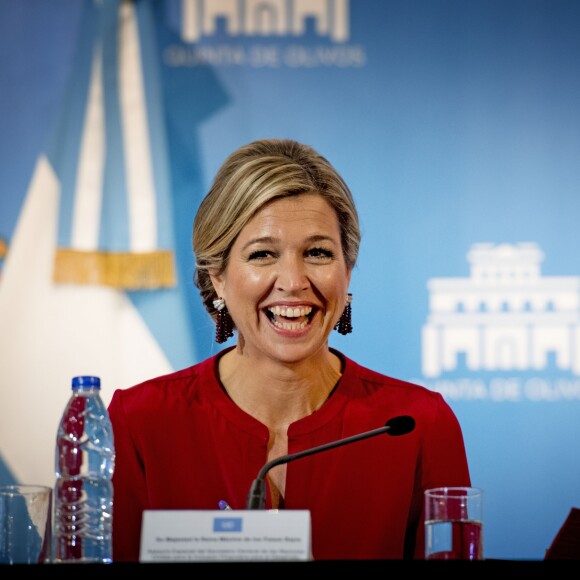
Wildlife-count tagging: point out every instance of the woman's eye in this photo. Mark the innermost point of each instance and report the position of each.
(320, 253)
(260, 255)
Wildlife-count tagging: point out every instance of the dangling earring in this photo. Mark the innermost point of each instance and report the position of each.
(344, 324)
(224, 327)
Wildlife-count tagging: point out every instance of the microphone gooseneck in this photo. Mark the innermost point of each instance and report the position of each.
(400, 425)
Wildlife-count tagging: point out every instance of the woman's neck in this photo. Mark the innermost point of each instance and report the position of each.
(279, 394)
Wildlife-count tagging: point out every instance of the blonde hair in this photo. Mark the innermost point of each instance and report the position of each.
(249, 178)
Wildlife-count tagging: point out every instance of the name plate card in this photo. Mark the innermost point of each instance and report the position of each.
(225, 535)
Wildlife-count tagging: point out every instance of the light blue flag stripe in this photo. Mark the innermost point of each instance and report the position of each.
(63, 153)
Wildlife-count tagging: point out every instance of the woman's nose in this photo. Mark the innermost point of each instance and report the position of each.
(292, 275)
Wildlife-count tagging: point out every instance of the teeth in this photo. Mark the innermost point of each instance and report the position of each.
(289, 312)
(290, 325)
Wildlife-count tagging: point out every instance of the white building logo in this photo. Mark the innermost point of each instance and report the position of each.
(265, 18)
(504, 317)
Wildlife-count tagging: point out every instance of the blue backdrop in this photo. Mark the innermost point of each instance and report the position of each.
(456, 124)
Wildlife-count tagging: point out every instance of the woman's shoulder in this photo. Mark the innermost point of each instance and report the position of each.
(156, 390)
(380, 389)
(358, 371)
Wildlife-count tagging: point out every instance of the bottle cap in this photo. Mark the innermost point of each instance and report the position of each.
(86, 381)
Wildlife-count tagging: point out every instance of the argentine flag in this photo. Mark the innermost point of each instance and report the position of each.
(95, 230)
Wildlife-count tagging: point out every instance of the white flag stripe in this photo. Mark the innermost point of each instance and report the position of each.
(89, 184)
(190, 21)
(139, 165)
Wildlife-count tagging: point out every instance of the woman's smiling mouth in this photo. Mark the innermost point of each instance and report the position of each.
(286, 317)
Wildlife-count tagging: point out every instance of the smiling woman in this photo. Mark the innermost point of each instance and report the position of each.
(275, 241)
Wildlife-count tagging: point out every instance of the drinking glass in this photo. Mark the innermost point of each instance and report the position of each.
(25, 524)
(453, 523)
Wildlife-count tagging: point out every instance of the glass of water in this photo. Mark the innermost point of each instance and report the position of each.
(454, 523)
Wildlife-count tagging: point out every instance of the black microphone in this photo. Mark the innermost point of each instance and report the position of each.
(257, 495)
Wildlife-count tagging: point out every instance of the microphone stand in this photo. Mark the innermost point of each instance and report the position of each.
(257, 495)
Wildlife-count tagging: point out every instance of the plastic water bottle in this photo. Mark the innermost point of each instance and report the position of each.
(84, 465)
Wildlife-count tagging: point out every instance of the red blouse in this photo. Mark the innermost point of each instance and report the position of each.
(182, 443)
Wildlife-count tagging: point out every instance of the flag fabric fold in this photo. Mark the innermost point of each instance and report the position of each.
(109, 151)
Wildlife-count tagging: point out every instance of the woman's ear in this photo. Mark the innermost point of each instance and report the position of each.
(218, 284)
